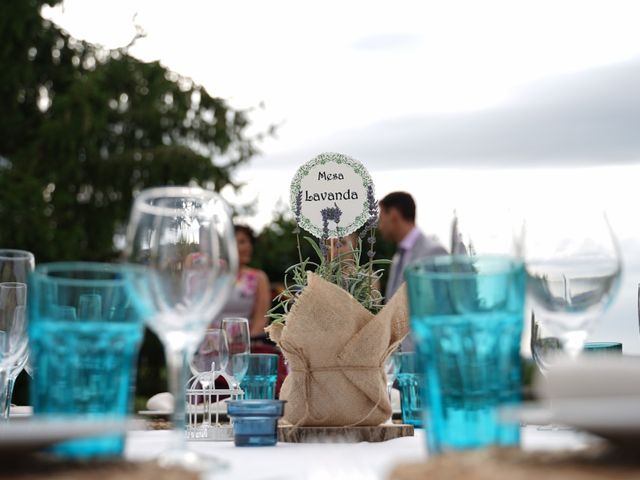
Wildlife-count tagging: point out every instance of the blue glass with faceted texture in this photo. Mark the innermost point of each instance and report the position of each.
(410, 382)
(262, 375)
(466, 317)
(84, 364)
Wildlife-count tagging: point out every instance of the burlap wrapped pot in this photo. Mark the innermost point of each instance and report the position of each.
(335, 350)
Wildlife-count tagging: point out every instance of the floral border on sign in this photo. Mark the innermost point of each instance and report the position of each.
(323, 159)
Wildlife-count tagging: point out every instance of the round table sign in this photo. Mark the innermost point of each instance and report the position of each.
(330, 195)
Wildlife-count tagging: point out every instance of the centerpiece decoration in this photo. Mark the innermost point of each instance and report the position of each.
(331, 322)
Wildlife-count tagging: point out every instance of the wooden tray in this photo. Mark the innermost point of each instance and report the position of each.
(594, 463)
(381, 433)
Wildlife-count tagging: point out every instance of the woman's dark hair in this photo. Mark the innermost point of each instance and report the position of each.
(248, 231)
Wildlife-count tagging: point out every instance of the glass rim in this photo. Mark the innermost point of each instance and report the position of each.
(45, 272)
(505, 264)
(13, 285)
(404, 354)
(234, 320)
(601, 345)
(263, 355)
(15, 254)
(256, 408)
(142, 204)
(257, 401)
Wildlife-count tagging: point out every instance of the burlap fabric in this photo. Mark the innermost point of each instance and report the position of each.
(336, 350)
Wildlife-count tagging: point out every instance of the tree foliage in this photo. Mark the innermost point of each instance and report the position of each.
(276, 248)
(82, 129)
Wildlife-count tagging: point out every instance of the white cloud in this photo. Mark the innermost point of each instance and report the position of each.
(586, 118)
(308, 64)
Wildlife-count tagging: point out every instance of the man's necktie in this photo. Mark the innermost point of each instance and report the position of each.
(397, 280)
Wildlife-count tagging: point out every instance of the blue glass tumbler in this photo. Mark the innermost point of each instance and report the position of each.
(466, 317)
(84, 363)
(411, 382)
(262, 374)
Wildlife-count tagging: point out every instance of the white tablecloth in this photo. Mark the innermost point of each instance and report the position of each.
(337, 461)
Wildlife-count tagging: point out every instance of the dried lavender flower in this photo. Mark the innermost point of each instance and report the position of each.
(296, 231)
(298, 206)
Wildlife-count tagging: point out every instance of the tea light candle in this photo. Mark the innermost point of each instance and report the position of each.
(255, 422)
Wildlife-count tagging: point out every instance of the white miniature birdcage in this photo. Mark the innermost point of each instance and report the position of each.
(203, 425)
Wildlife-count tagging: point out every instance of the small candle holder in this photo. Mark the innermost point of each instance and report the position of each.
(255, 422)
(200, 423)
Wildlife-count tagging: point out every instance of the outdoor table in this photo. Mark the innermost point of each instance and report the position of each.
(316, 461)
(548, 454)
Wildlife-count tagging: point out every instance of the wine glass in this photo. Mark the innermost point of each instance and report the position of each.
(210, 359)
(184, 240)
(13, 332)
(21, 364)
(391, 371)
(543, 346)
(573, 268)
(15, 266)
(476, 234)
(237, 330)
(639, 304)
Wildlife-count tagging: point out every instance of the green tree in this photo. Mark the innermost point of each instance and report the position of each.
(82, 129)
(276, 248)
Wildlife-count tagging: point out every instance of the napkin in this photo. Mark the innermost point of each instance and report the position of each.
(590, 377)
(161, 402)
(597, 394)
(21, 411)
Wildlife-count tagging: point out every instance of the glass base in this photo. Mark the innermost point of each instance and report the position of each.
(211, 433)
(100, 447)
(255, 440)
(191, 461)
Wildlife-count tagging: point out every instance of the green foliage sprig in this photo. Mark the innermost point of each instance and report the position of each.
(345, 270)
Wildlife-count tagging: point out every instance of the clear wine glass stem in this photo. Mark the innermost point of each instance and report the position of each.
(9, 394)
(176, 365)
(4, 387)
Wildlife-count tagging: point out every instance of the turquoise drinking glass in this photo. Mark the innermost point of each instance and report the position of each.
(466, 316)
(259, 383)
(603, 348)
(411, 382)
(84, 364)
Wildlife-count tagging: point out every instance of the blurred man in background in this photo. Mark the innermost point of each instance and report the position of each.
(397, 224)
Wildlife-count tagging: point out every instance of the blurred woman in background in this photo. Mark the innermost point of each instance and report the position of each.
(251, 294)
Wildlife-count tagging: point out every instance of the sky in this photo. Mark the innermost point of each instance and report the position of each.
(490, 108)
